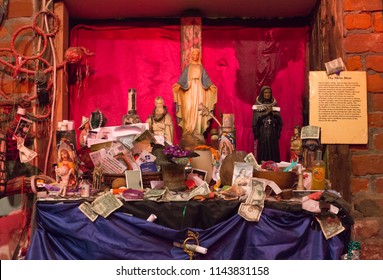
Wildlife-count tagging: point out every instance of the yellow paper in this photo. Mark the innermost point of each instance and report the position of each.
(338, 104)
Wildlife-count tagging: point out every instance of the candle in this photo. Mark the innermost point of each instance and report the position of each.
(131, 100)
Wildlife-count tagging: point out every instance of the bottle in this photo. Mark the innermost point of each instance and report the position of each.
(318, 179)
(85, 186)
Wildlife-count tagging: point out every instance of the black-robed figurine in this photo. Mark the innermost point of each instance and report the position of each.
(267, 125)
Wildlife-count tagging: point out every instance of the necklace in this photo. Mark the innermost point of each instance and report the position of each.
(101, 120)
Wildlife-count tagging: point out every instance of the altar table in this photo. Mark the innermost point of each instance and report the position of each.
(62, 231)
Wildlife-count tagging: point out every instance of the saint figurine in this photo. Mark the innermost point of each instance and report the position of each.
(267, 125)
(160, 122)
(84, 127)
(193, 91)
(296, 149)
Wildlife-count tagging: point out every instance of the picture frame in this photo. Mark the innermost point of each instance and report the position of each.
(23, 127)
(202, 174)
(242, 174)
(134, 179)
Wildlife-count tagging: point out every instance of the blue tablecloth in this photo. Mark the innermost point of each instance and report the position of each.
(64, 232)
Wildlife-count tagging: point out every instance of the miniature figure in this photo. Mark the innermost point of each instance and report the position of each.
(296, 145)
(193, 88)
(160, 122)
(84, 127)
(267, 125)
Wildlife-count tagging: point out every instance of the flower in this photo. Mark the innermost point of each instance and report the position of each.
(173, 154)
(176, 151)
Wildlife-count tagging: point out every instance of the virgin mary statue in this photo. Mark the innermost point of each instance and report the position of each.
(195, 96)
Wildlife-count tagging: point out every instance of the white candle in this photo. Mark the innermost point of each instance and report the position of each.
(131, 99)
(151, 218)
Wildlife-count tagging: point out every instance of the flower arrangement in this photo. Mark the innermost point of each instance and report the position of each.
(176, 151)
(174, 154)
(205, 148)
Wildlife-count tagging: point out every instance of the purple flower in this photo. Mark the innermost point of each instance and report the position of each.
(176, 151)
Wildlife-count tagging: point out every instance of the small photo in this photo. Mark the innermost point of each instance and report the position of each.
(23, 127)
(134, 179)
(200, 173)
(243, 172)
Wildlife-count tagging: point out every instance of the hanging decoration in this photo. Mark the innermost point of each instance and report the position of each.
(77, 67)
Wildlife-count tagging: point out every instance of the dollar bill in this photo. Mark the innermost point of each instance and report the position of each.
(257, 191)
(25, 154)
(174, 196)
(154, 194)
(251, 213)
(106, 204)
(330, 225)
(249, 158)
(252, 209)
(202, 189)
(86, 208)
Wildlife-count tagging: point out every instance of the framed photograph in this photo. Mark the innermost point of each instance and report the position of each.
(23, 127)
(310, 132)
(200, 173)
(243, 172)
(134, 179)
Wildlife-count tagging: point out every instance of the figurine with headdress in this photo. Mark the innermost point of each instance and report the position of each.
(84, 127)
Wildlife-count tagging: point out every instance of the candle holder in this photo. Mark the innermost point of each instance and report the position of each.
(131, 117)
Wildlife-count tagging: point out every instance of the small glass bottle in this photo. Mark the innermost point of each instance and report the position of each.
(318, 181)
(84, 186)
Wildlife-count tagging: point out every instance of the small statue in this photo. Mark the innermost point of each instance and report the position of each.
(160, 122)
(84, 127)
(296, 149)
(267, 125)
(97, 119)
(193, 89)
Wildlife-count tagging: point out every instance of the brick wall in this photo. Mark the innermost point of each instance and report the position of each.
(363, 51)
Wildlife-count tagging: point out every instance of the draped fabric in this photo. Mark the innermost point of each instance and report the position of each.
(64, 232)
(239, 58)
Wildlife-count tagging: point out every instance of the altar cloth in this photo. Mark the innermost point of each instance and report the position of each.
(63, 232)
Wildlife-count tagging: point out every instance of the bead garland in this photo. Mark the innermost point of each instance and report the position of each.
(352, 247)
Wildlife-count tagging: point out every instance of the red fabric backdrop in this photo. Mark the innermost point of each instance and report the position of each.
(239, 59)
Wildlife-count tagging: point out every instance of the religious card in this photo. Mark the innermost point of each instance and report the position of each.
(330, 225)
(22, 127)
(242, 174)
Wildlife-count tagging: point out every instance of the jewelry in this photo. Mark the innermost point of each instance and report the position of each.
(101, 120)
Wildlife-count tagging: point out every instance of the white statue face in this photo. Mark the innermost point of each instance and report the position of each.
(159, 103)
(195, 55)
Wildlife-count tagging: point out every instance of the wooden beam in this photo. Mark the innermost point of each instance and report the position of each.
(190, 37)
(61, 106)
